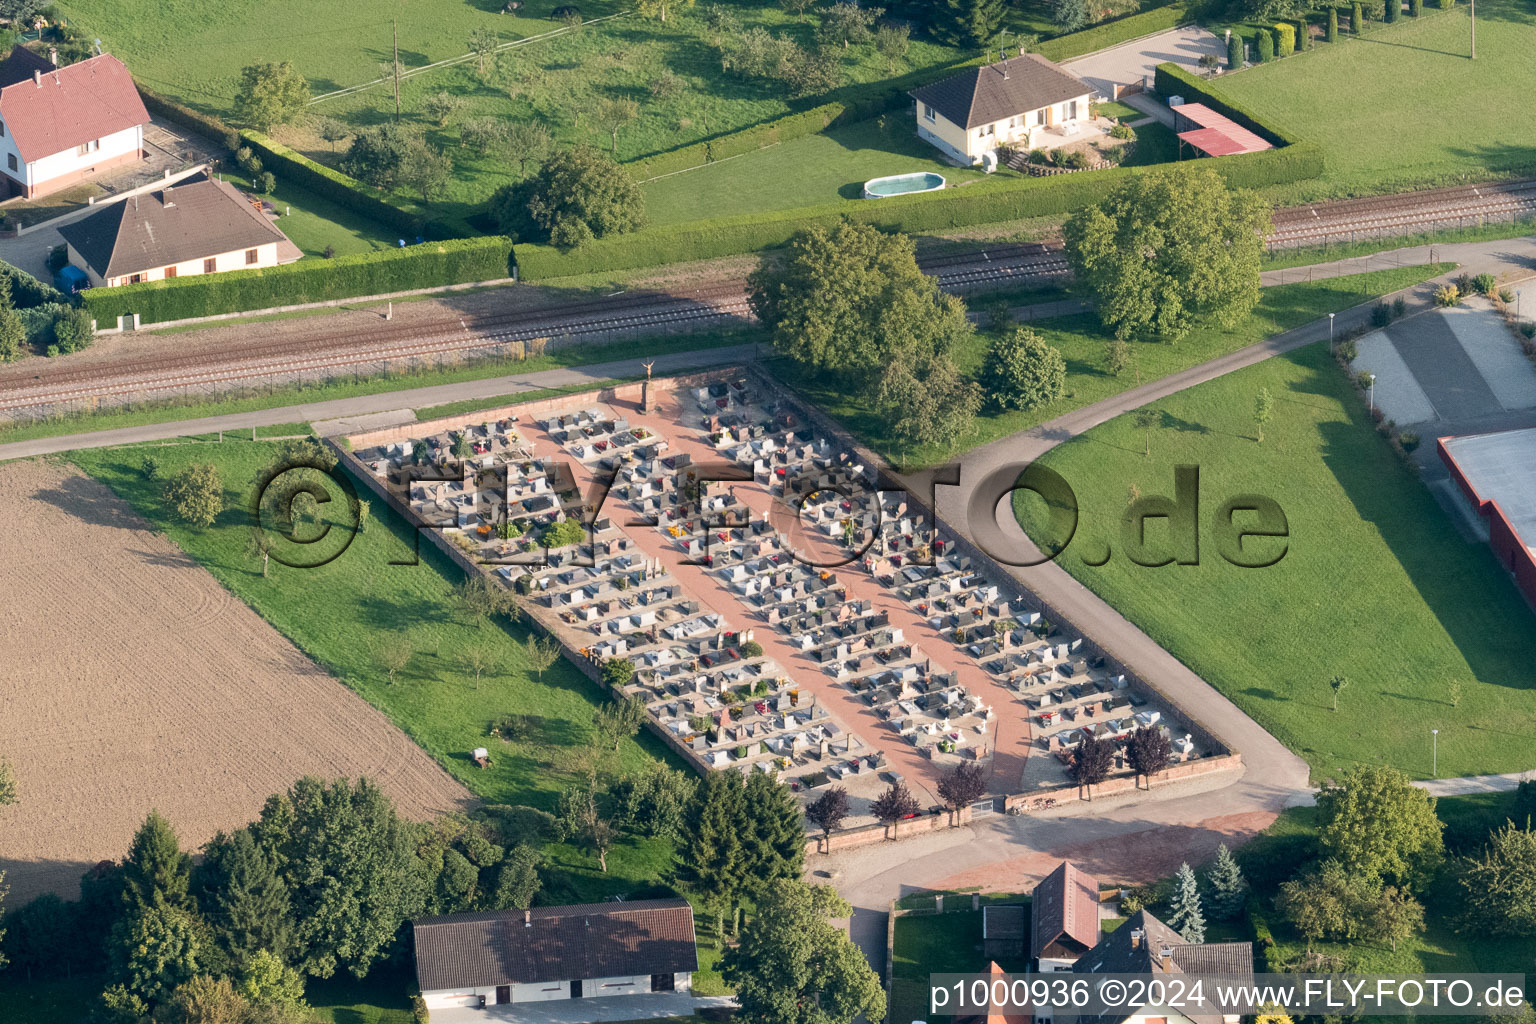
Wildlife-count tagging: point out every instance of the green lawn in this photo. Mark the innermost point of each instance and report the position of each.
(313, 223)
(337, 614)
(948, 943)
(1402, 107)
(1375, 585)
(377, 999)
(1081, 340)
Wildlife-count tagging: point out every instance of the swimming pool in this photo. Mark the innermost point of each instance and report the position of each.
(902, 184)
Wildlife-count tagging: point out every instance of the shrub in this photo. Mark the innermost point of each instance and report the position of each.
(1506, 295)
(1446, 5)
(1235, 52)
(1209, 62)
(1122, 131)
(1039, 156)
(72, 329)
(1075, 158)
(563, 534)
(150, 467)
(264, 183)
(52, 351)
(1303, 34)
(1356, 18)
(1394, 8)
(459, 261)
(752, 649)
(58, 256)
(1285, 39)
(1347, 350)
(1528, 329)
(1265, 46)
(1464, 283)
(1381, 315)
(1399, 307)
(1409, 440)
(1483, 284)
(1333, 25)
(1447, 295)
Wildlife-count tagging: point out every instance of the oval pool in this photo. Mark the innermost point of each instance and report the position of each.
(903, 184)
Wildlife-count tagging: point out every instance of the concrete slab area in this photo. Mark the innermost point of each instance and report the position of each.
(655, 1006)
(1397, 392)
(1442, 367)
(1492, 347)
(1132, 62)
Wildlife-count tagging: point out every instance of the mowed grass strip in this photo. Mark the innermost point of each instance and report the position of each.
(1375, 585)
(343, 613)
(1082, 340)
(1403, 107)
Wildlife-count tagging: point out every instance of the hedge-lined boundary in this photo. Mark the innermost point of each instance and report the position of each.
(1173, 80)
(1113, 33)
(456, 261)
(983, 202)
(207, 125)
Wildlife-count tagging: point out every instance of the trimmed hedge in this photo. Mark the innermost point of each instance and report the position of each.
(1113, 33)
(207, 125)
(1173, 80)
(458, 261)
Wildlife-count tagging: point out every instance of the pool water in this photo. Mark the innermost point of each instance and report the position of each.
(902, 184)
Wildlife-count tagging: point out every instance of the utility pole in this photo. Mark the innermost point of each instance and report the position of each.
(395, 30)
(1474, 29)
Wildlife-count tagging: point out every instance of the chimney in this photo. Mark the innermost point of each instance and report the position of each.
(37, 77)
(527, 919)
(1136, 935)
(53, 55)
(1165, 954)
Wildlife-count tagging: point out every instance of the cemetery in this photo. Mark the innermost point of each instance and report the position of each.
(783, 607)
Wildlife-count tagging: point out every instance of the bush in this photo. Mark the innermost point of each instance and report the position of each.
(58, 257)
(1409, 440)
(1399, 307)
(1265, 46)
(150, 467)
(752, 649)
(264, 183)
(1447, 295)
(1235, 52)
(1285, 39)
(1416, 8)
(563, 534)
(1333, 25)
(1347, 350)
(72, 329)
(1356, 19)
(1446, 5)
(1122, 131)
(1303, 34)
(459, 261)
(28, 291)
(1394, 8)
(1381, 316)
(1484, 284)
(1528, 329)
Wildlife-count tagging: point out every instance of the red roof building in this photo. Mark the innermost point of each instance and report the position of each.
(1065, 917)
(1214, 134)
(1000, 1014)
(59, 126)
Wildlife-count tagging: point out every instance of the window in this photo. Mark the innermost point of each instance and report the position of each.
(88, 147)
(929, 114)
(170, 271)
(250, 256)
(210, 265)
(2, 129)
(10, 160)
(1073, 115)
(135, 278)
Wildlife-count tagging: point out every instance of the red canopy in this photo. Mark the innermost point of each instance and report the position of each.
(1215, 134)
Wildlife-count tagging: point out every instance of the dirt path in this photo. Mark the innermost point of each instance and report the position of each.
(134, 681)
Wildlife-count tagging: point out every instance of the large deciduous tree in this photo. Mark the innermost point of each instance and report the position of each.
(1148, 751)
(1091, 761)
(1498, 887)
(894, 805)
(793, 967)
(576, 196)
(196, 494)
(1165, 253)
(1377, 824)
(270, 94)
(1022, 371)
(827, 811)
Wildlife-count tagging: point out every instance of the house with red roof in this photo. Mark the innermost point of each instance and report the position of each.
(61, 125)
(1064, 918)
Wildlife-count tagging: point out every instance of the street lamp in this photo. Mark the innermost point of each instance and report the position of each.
(1371, 378)
(1434, 740)
(1331, 349)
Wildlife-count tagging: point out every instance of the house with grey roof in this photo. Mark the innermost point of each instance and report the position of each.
(1025, 102)
(587, 951)
(197, 226)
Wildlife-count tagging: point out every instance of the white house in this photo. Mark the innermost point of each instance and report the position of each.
(59, 126)
(197, 226)
(548, 953)
(1024, 102)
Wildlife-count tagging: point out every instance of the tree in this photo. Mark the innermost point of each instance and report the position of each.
(1229, 889)
(350, 868)
(934, 406)
(1394, 916)
(711, 860)
(205, 1000)
(270, 94)
(424, 168)
(4, 891)
(395, 653)
(895, 804)
(474, 659)
(793, 967)
(482, 134)
(1117, 356)
(482, 600)
(517, 880)
(1263, 408)
(332, 131)
(1524, 812)
(576, 196)
(1091, 762)
(1149, 751)
(1235, 55)
(613, 113)
(797, 7)
(653, 802)
(244, 898)
(658, 8)
(1333, 24)
(1356, 19)
(1379, 825)
(7, 783)
(154, 949)
(827, 811)
(1146, 420)
(1185, 914)
(540, 653)
(72, 330)
(375, 155)
(968, 22)
(844, 23)
(1324, 901)
(527, 142)
(1498, 887)
(1022, 371)
(773, 842)
(579, 817)
(260, 546)
(851, 299)
(441, 106)
(963, 785)
(266, 981)
(1264, 46)
(156, 870)
(482, 43)
(893, 42)
(617, 672)
(13, 333)
(1070, 15)
(1164, 253)
(42, 935)
(1271, 1014)
(1337, 684)
(618, 720)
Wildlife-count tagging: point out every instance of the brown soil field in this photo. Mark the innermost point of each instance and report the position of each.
(131, 680)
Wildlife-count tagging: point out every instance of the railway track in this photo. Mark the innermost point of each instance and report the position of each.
(387, 343)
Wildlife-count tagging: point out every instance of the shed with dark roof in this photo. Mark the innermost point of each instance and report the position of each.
(582, 951)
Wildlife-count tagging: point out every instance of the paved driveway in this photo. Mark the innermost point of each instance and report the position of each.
(1130, 63)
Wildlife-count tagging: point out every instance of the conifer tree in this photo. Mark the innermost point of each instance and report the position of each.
(1228, 886)
(1185, 914)
(244, 899)
(774, 836)
(156, 870)
(712, 861)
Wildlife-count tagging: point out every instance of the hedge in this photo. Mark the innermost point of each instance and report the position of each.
(993, 200)
(1173, 80)
(1113, 33)
(208, 125)
(458, 261)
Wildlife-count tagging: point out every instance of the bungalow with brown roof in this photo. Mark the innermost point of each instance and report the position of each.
(1064, 918)
(549, 953)
(197, 226)
(1025, 101)
(59, 126)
